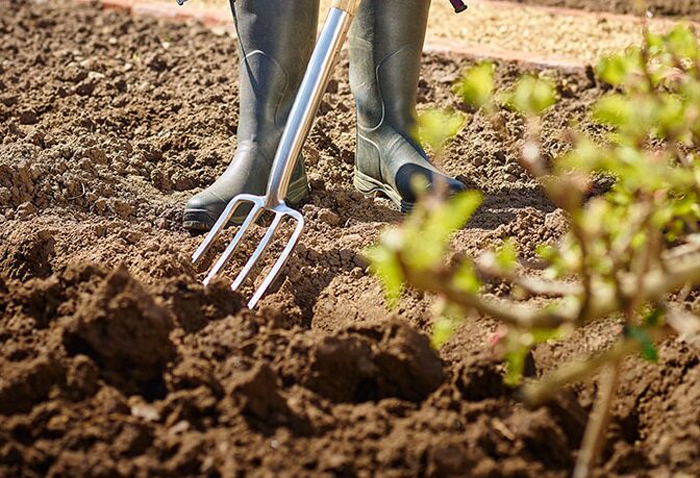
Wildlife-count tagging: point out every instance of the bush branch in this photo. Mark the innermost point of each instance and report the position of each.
(603, 300)
(594, 436)
(539, 392)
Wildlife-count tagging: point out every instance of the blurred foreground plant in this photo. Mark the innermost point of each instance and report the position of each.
(626, 251)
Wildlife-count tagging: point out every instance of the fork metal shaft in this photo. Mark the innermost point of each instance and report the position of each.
(308, 99)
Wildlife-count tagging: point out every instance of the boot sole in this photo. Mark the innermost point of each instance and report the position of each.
(369, 186)
(201, 220)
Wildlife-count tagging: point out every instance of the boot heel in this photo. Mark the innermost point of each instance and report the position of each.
(367, 167)
(370, 187)
(368, 174)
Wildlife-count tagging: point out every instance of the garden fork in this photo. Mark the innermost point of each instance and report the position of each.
(298, 125)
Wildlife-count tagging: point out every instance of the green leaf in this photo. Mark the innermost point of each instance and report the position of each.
(454, 214)
(540, 336)
(614, 110)
(613, 69)
(443, 330)
(616, 69)
(682, 42)
(515, 365)
(546, 252)
(654, 42)
(465, 279)
(531, 96)
(477, 86)
(649, 351)
(436, 127)
(507, 256)
(384, 263)
(426, 246)
(654, 318)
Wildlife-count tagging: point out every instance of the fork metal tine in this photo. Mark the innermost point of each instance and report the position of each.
(233, 245)
(220, 225)
(259, 251)
(282, 260)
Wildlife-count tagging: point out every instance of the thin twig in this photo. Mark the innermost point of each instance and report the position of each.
(594, 436)
(687, 325)
(539, 392)
(690, 247)
(532, 285)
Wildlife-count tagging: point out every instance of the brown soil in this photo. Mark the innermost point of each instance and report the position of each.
(689, 9)
(115, 361)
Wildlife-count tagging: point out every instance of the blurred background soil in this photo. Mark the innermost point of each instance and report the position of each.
(569, 36)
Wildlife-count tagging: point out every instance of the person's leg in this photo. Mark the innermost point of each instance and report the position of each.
(386, 42)
(275, 39)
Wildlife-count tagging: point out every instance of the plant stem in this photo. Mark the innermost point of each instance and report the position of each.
(594, 436)
(532, 285)
(604, 300)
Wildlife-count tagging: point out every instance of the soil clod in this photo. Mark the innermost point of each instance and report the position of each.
(125, 332)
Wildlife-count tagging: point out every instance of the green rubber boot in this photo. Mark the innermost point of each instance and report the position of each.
(275, 41)
(386, 42)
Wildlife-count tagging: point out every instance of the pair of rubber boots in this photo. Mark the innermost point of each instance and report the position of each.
(276, 39)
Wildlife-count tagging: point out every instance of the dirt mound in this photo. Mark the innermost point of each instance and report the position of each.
(257, 393)
(195, 306)
(25, 256)
(655, 406)
(115, 361)
(125, 332)
(24, 386)
(372, 363)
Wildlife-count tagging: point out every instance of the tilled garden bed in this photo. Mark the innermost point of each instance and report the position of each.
(115, 361)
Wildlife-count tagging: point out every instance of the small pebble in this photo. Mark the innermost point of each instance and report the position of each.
(357, 272)
(25, 210)
(123, 209)
(309, 210)
(131, 237)
(180, 427)
(101, 205)
(147, 412)
(5, 195)
(94, 75)
(28, 117)
(37, 137)
(329, 217)
(359, 261)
